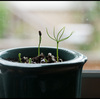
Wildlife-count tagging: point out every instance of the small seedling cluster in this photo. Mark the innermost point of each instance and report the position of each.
(39, 59)
(50, 58)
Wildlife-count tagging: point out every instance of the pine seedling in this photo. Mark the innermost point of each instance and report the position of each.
(19, 57)
(39, 42)
(46, 60)
(30, 60)
(58, 38)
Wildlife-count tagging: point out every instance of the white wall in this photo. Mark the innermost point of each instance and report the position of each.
(52, 5)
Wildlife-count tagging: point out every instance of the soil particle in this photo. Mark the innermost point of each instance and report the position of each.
(38, 59)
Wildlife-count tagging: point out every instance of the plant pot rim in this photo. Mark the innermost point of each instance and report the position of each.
(79, 59)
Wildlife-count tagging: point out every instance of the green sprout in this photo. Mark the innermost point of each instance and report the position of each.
(58, 38)
(39, 42)
(46, 60)
(19, 56)
(30, 60)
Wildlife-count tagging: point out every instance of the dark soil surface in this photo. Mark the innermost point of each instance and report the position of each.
(38, 59)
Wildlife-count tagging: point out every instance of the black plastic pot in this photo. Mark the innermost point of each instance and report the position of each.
(47, 80)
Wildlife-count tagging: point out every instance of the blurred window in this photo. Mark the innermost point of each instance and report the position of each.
(20, 22)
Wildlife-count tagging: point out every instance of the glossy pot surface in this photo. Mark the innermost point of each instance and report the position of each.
(45, 80)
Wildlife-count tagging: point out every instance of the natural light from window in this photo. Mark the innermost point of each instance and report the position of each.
(20, 22)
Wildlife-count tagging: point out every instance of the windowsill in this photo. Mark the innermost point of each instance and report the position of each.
(91, 73)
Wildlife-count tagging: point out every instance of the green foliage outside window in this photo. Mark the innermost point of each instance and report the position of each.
(93, 16)
(4, 16)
